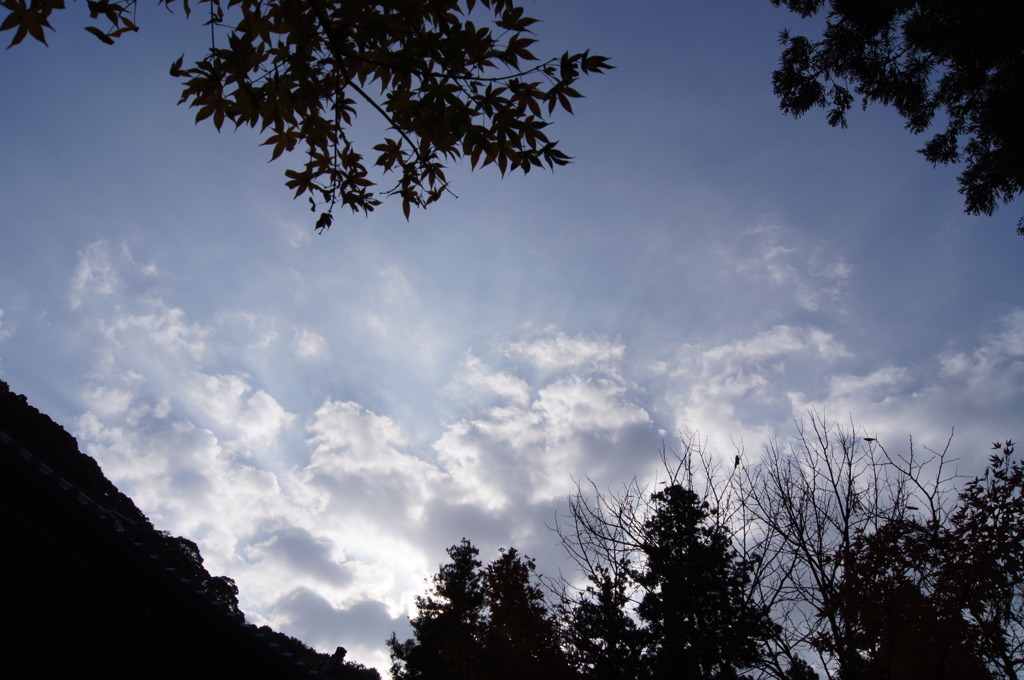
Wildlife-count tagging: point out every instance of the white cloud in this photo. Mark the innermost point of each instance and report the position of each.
(562, 352)
(349, 438)
(994, 370)
(476, 382)
(251, 419)
(309, 344)
(161, 331)
(6, 329)
(736, 392)
(774, 343)
(363, 484)
(94, 276)
(491, 458)
(884, 378)
(797, 263)
(107, 402)
(587, 404)
(975, 391)
(521, 452)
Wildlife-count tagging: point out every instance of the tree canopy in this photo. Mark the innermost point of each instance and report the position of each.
(952, 63)
(482, 623)
(828, 558)
(700, 622)
(451, 79)
(677, 606)
(446, 626)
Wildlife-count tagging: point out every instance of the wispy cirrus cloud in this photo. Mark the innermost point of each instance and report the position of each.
(6, 330)
(95, 275)
(797, 264)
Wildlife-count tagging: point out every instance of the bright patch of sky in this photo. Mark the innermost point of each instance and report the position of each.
(324, 415)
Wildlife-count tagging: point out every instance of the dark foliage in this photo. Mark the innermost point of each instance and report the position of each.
(898, 625)
(987, 560)
(519, 639)
(700, 622)
(668, 594)
(952, 63)
(450, 78)
(481, 624)
(323, 666)
(605, 640)
(943, 600)
(837, 557)
(449, 619)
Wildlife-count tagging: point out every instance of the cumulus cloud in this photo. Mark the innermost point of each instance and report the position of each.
(578, 404)
(562, 352)
(252, 418)
(159, 330)
(527, 450)
(359, 473)
(477, 382)
(348, 438)
(974, 391)
(107, 401)
(300, 552)
(330, 513)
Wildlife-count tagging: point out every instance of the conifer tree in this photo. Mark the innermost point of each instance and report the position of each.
(482, 624)
(700, 622)
(449, 619)
(520, 638)
(605, 640)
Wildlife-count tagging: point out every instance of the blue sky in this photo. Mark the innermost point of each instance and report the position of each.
(325, 414)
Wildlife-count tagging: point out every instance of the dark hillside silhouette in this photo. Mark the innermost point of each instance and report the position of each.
(95, 591)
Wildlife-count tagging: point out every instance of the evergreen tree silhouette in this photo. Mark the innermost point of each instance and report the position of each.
(699, 619)
(445, 630)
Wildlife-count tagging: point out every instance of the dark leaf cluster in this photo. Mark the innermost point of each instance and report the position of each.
(943, 599)
(451, 79)
(955, 65)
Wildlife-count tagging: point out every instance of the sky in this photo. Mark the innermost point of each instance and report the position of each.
(325, 414)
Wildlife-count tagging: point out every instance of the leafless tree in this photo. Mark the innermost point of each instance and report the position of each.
(792, 513)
